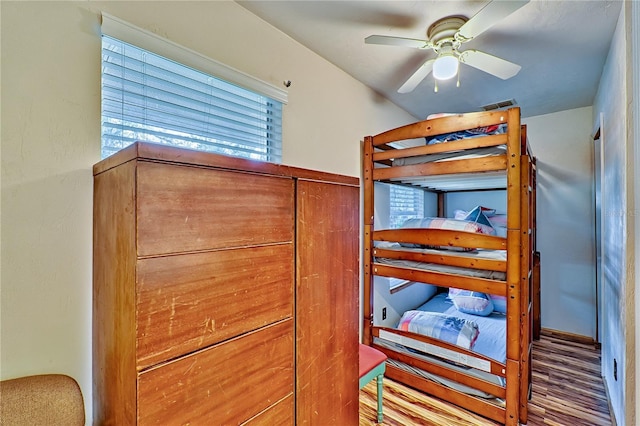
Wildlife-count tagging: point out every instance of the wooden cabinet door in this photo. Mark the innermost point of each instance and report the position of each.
(327, 304)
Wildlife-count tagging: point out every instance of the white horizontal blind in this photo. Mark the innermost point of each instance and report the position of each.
(146, 97)
(129, 33)
(405, 203)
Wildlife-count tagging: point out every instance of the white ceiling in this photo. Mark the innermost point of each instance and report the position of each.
(561, 46)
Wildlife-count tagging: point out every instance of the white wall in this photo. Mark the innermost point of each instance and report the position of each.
(51, 138)
(399, 302)
(618, 334)
(562, 144)
(468, 200)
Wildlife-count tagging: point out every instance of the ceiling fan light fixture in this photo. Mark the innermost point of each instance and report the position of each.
(445, 67)
(446, 35)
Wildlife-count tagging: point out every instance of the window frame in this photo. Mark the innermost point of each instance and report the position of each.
(268, 109)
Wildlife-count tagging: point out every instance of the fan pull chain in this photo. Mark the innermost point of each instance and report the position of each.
(435, 89)
(458, 83)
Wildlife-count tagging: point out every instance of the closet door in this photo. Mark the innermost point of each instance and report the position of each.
(327, 303)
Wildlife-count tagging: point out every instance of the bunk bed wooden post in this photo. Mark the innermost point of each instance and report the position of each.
(441, 207)
(535, 298)
(368, 208)
(526, 282)
(513, 265)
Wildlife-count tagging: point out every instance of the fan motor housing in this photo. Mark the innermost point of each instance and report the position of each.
(445, 29)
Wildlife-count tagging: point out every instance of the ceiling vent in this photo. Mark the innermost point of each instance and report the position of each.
(502, 104)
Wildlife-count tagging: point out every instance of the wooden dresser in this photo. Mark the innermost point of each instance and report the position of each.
(225, 291)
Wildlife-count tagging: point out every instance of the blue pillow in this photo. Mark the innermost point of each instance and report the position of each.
(471, 302)
(478, 216)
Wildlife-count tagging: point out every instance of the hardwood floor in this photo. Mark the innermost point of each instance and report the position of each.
(567, 391)
(567, 385)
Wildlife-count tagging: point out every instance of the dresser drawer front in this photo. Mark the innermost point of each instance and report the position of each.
(225, 384)
(281, 414)
(187, 302)
(183, 209)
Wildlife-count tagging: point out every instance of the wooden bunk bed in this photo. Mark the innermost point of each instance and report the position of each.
(498, 389)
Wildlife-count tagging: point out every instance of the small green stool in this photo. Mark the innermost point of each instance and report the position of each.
(372, 364)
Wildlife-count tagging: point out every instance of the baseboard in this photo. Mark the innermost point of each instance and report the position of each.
(567, 336)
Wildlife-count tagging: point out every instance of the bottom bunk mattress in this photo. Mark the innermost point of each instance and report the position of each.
(491, 342)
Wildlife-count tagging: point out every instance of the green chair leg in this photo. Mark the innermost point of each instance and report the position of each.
(379, 380)
(372, 365)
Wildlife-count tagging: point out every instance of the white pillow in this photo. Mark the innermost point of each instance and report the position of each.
(471, 302)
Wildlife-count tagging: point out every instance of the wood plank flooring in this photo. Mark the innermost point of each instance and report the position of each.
(567, 391)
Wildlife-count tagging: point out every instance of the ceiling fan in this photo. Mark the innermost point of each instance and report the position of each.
(445, 37)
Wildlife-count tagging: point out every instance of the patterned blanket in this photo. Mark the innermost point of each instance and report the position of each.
(467, 134)
(454, 330)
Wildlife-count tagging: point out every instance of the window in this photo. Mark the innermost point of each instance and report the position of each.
(405, 203)
(396, 284)
(147, 97)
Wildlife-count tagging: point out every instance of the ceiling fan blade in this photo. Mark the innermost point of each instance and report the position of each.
(488, 16)
(489, 64)
(397, 41)
(417, 77)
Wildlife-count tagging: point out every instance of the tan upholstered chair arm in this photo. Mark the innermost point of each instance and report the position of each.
(51, 399)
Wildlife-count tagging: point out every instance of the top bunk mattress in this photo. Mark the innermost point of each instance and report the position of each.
(459, 154)
(453, 155)
(470, 159)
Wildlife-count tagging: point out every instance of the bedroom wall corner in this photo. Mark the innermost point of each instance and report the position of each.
(561, 143)
(611, 102)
